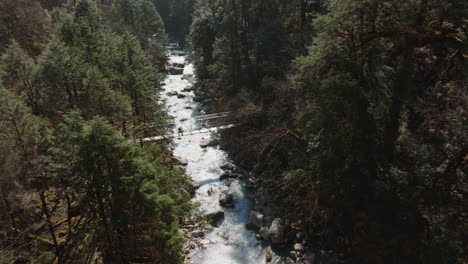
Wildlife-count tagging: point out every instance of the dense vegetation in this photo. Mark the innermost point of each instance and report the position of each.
(353, 113)
(177, 17)
(76, 97)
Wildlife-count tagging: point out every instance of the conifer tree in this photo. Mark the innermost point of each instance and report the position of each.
(128, 201)
(19, 70)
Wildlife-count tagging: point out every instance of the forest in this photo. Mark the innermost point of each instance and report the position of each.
(351, 119)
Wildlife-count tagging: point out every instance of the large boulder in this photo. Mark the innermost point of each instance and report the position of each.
(207, 142)
(276, 231)
(175, 70)
(255, 220)
(226, 199)
(215, 216)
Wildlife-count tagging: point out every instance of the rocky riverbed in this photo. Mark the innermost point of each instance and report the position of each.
(246, 228)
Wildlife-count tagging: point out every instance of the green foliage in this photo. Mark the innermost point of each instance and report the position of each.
(177, 16)
(354, 94)
(18, 70)
(242, 42)
(370, 101)
(87, 67)
(24, 138)
(115, 196)
(128, 200)
(142, 19)
(25, 22)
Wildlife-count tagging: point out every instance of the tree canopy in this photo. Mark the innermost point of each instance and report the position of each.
(72, 117)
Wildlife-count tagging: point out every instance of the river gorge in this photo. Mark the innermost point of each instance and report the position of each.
(229, 242)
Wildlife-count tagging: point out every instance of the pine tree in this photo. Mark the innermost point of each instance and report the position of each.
(18, 70)
(128, 201)
(141, 18)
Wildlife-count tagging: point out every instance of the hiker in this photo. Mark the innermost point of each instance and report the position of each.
(180, 132)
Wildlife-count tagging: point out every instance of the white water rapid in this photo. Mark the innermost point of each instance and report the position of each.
(230, 242)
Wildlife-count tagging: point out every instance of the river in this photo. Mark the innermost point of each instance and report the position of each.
(230, 242)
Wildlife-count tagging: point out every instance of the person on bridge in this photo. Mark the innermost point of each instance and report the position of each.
(180, 131)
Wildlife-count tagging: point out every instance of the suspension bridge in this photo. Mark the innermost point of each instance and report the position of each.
(201, 124)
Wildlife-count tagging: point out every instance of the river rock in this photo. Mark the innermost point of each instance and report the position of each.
(210, 192)
(187, 76)
(226, 199)
(269, 256)
(276, 231)
(175, 70)
(299, 247)
(208, 143)
(177, 65)
(179, 167)
(197, 234)
(227, 166)
(193, 186)
(215, 216)
(181, 96)
(228, 175)
(293, 255)
(179, 161)
(308, 258)
(264, 233)
(172, 93)
(187, 89)
(255, 220)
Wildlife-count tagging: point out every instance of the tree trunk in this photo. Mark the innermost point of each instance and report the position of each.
(109, 253)
(400, 90)
(69, 215)
(50, 226)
